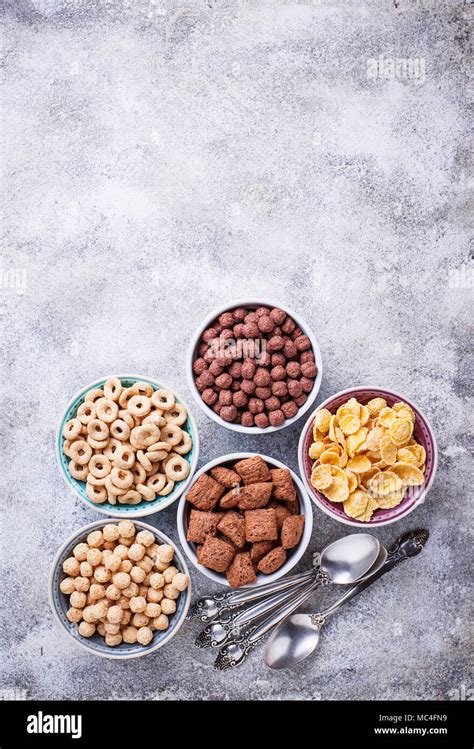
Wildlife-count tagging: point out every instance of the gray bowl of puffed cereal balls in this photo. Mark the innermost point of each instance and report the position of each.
(120, 590)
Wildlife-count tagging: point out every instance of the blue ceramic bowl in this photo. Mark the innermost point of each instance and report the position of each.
(59, 601)
(129, 511)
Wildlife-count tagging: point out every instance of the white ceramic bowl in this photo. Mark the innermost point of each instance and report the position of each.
(184, 509)
(125, 511)
(253, 304)
(414, 497)
(95, 644)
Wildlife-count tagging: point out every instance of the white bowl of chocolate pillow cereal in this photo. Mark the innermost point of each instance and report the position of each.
(246, 519)
(254, 366)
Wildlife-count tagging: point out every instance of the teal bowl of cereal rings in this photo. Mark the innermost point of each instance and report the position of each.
(69, 590)
(127, 445)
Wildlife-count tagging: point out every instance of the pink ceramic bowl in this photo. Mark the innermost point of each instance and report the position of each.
(414, 496)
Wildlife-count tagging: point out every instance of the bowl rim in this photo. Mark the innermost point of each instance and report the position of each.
(306, 508)
(115, 654)
(253, 303)
(314, 494)
(149, 508)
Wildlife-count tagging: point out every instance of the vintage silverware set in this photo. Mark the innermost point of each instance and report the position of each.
(238, 620)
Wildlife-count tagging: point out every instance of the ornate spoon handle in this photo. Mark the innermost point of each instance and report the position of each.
(235, 652)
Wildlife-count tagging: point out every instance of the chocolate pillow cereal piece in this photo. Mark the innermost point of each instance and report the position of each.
(281, 512)
(254, 496)
(232, 525)
(272, 561)
(260, 525)
(253, 470)
(205, 493)
(230, 499)
(283, 488)
(260, 549)
(291, 531)
(225, 476)
(216, 554)
(241, 571)
(202, 524)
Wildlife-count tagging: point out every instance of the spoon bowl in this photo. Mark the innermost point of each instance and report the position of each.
(348, 559)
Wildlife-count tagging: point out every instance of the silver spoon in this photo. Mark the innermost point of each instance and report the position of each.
(231, 623)
(342, 562)
(298, 636)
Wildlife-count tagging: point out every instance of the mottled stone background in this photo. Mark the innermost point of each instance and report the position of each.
(163, 158)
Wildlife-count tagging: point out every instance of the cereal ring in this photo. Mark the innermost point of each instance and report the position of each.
(126, 417)
(168, 488)
(112, 489)
(142, 436)
(171, 433)
(145, 462)
(121, 477)
(98, 430)
(147, 492)
(80, 452)
(124, 457)
(155, 417)
(177, 415)
(177, 468)
(156, 455)
(106, 410)
(113, 388)
(185, 445)
(97, 494)
(99, 466)
(125, 396)
(72, 429)
(132, 497)
(159, 446)
(94, 394)
(143, 388)
(77, 471)
(163, 399)
(97, 445)
(139, 405)
(120, 430)
(156, 482)
(86, 412)
(112, 448)
(139, 473)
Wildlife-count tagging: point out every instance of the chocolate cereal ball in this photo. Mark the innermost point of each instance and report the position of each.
(276, 418)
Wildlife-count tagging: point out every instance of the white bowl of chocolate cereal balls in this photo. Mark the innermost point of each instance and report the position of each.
(254, 367)
(119, 589)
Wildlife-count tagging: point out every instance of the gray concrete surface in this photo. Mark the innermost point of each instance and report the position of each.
(162, 158)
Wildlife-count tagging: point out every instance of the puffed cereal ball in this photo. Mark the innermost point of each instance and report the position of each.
(74, 615)
(82, 584)
(155, 596)
(169, 574)
(112, 629)
(101, 629)
(95, 539)
(94, 557)
(113, 640)
(140, 620)
(168, 606)
(113, 593)
(96, 592)
(145, 564)
(101, 574)
(114, 615)
(171, 592)
(136, 552)
(89, 614)
(180, 581)
(131, 591)
(146, 538)
(67, 585)
(71, 567)
(125, 541)
(138, 604)
(86, 629)
(100, 609)
(126, 529)
(144, 635)
(152, 610)
(161, 622)
(151, 550)
(129, 635)
(137, 574)
(78, 600)
(126, 566)
(124, 602)
(121, 580)
(113, 562)
(165, 553)
(110, 532)
(80, 552)
(86, 569)
(157, 580)
(160, 566)
(126, 616)
(121, 551)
